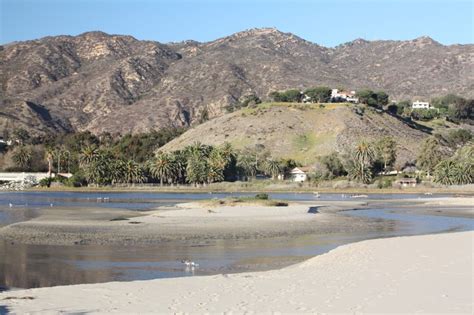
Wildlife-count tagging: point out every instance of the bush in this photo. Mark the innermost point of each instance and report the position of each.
(457, 138)
(45, 182)
(261, 196)
(424, 114)
(385, 183)
(77, 180)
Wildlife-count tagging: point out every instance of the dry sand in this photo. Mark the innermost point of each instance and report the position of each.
(417, 274)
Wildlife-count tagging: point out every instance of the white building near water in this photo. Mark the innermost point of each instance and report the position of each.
(421, 105)
(299, 174)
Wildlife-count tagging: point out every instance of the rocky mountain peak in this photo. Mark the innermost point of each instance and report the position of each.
(101, 82)
(425, 40)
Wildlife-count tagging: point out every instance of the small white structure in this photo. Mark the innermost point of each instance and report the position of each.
(421, 105)
(21, 176)
(299, 174)
(347, 96)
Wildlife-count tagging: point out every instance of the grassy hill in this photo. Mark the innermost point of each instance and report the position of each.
(304, 131)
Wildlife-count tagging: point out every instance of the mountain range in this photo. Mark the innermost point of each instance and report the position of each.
(118, 84)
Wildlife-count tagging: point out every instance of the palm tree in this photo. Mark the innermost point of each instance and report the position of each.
(133, 172)
(98, 169)
(462, 174)
(88, 154)
(246, 164)
(227, 152)
(163, 167)
(364, 153)
(216, 164)
(116, 172)
(360, 173)
(272, 167)
(196, 169)
(449, 172)
(22, 157)
(179, 162)
(444, 172)
(362, 158)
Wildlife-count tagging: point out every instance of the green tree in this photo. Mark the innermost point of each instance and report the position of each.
(320, 94)
(424, 114)
(360, 168)
(272, 167)
(164, 167)
(22, 157)
(216, 164)
(429, 155)
(333, 164)
(371, 98)
(382, 98)
(367, 97)
(88, 155)
(445, 172)
(133, 172)
(458, 170)
(386, 148)
(197, 169)
(286, 96)
(360, 173)
(246, 165)
(99, 169)
(457, 138)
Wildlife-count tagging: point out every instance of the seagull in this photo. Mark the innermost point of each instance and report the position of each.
(11, 206)
(51, 205)
(189, 263)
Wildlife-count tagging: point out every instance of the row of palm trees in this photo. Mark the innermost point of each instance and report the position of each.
(196, 164)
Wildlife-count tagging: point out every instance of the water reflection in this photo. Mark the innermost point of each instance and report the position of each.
(37, 266)
(27, 266)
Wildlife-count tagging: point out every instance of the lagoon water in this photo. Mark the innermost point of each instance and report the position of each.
(26, 266)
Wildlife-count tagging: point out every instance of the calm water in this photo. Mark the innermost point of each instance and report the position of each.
(38, 265)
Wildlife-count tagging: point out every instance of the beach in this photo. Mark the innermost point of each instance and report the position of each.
(197, 221)
(184, 222)
(416, 274)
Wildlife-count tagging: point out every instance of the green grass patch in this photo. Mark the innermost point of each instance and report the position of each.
(304, 142)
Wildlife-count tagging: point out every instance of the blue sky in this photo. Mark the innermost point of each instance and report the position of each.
(326, 22)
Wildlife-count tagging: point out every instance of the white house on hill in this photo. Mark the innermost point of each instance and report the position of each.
(347, 96)
(421, 105)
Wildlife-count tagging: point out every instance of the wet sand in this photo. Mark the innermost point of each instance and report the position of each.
(198, 221)
(186, 222)
(418, 274)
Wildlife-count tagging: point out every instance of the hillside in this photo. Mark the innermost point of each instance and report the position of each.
(118, 84)
(303, 132)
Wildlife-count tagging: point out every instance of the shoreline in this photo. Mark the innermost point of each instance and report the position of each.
(197, 221)
(238, 189)
(401, 274)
